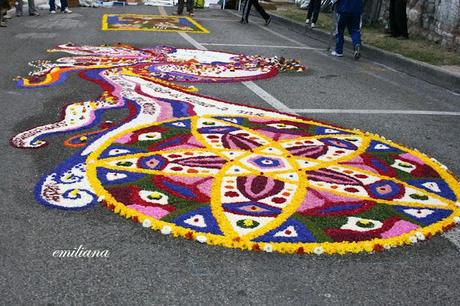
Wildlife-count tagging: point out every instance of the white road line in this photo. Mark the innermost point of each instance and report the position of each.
(373, 111)
(192, 41)
(261, 46)
(274, 102)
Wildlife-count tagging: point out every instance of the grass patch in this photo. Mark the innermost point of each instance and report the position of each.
(415, 48)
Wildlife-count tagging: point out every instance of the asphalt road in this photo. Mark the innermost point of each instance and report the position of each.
(145, 267)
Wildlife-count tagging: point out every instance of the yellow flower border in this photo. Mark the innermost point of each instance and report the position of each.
(370, 246)
(105, 24)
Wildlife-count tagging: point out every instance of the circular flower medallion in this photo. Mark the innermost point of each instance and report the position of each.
(286, 185)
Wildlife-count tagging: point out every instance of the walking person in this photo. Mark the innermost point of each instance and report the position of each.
(313, 11)
(32, 9)
(64, 7)
(259, 8)
(180, 7)
(348, 16)
(398, 19)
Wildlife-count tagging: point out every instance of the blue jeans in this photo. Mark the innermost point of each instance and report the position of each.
(353, 24)
(64, 5)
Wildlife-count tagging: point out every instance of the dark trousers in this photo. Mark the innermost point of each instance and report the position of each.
(398, 18)
(180, 6)
(64, 5)
(313, 9)
(259, 8)
(353, 24)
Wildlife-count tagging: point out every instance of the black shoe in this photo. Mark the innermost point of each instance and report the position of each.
(267, 22)
(244, 20)
(34, 14)
(357, 53)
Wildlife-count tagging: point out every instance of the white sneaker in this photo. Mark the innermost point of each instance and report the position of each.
(313, 25)
(307, 21)
(333, 53)
(52, 12)
(67, 11)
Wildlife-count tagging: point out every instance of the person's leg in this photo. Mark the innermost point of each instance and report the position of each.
(394, 30)
(52, 6)
(404, 31)
(316, 9)
(354, 28)
(341, 24)
(261, 10)
(243, 10)
(310, 10)
(64, 5)
(247, 10)
(32, 9)
(18, 5)
(190, 4)
(401, 18)
(180, 7)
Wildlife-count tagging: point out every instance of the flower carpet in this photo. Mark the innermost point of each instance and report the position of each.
(153, 23)
(228, 174)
